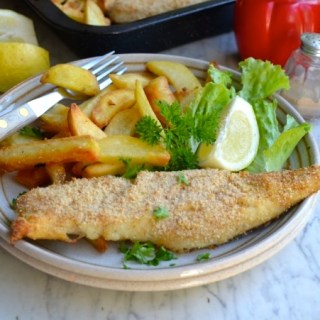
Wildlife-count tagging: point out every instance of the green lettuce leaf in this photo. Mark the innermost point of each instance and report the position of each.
(207, 113)
(220, 76)
(265, 111)
(280, 151)
(260, 79)
(273, 157)
(214, 97)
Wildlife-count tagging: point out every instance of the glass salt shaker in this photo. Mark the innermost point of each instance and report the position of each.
(303, 69)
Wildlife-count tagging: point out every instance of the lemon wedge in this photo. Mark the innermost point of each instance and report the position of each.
(20, 55)
(237, 141)
(15, 27)
(19, 61)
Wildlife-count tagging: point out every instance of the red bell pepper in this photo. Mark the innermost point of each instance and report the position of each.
(271, 29)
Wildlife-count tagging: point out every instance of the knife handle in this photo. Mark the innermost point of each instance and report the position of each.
(15, 120)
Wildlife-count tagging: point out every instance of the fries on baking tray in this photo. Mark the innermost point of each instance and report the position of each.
(106, 12)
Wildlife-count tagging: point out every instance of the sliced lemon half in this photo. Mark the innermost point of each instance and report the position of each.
(19, 61)
(15, 27)
(237, 141)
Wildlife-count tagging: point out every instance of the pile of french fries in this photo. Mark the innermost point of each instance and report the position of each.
(95, 137)
(107, 12)
(91, 12)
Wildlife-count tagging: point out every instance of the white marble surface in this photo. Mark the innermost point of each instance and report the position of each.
(287, 286)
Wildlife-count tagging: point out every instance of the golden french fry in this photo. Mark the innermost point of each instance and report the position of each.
(55, 119)
(33, 177)
(73, 9)
(187, 96)
(17, 138)
(128, 80)
(70, 149)
(159, 89)
(143, 105)
(90, 170)
(105, 5)
(81, 125)
(93, 15)
(102, 169)
(56, 172)
(77, 168)
(72, 77)
(114, 149)
(61, 134)
(111, 103)
(178, 75)
(100, 244)
(88, 105)
(123, 123)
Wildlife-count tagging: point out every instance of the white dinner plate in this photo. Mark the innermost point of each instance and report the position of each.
(80, 263)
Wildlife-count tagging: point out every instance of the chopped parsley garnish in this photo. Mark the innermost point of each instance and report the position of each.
(178, 132)
(13, 204)
(131, 170)
(145, 253)
(161, 212)
(31, 132)
(182, 179)
(203, 256)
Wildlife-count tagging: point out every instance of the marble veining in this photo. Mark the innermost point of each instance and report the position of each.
(287, 286)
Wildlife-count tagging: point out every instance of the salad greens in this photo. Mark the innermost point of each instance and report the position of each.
(188, 126)
(259, 81)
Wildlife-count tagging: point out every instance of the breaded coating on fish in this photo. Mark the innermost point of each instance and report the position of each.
(207, 207)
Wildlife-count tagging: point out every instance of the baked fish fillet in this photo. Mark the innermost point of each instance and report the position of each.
(210, 208)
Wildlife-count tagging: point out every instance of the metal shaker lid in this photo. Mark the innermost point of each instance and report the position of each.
(310, 43)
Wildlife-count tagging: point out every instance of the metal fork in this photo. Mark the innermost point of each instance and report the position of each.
(15, 119)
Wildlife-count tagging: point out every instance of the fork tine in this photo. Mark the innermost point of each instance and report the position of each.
(102, 64)
(109, 70)
(97, 61)
(101, 67)
(107, 81)
(98, 68)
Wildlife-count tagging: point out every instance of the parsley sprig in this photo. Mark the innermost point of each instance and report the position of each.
(153, 136)
(184, 130)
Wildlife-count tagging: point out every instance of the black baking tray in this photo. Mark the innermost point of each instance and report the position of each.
(152, 34)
